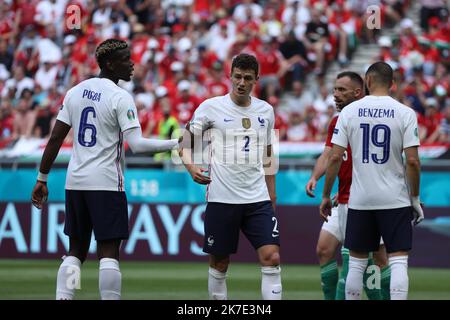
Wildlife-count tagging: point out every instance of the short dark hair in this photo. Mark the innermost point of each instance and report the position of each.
(245, 61)
(381, 73)
(354, 77)
(107, 48)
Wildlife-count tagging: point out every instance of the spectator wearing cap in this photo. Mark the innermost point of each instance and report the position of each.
(45, 77)
(431, 8)
(162, 98)
(217, 84)
(167, 128)
(385, 44)
(222, 41)
(185, 103)
(408, 39)
(247, 11)
(430, 121)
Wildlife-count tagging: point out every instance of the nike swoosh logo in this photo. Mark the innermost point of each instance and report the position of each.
(228, 120)
(275, 235)
(276, 292)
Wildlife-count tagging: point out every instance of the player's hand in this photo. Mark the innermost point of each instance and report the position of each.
(39, 195)
(310, 187)
(198, 176)
(325, 208)
(417, 210)
(334, 200)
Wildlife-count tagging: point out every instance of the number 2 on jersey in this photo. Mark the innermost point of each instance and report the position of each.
(376, 141)
(247, 142)
(85, 126)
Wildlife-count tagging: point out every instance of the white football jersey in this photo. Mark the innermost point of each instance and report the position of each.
(377, 129)
(98, 112)
(238, 137)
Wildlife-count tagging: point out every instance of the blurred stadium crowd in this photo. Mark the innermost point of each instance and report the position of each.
(182, 50)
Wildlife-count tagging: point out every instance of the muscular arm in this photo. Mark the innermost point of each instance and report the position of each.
(413, 170)
(186, 146)
(140, 144)
(40, 191)
(319, 170)
(334, 164)
(57, 137)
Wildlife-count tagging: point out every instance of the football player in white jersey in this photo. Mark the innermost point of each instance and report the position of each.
(349, 87)
(101, 115)
(241, 182)
(384, 195)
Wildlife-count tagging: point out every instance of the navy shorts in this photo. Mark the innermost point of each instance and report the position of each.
(223, 222)
(105, 212)
(364, 228)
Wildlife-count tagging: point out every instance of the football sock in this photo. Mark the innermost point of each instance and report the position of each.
(354, 282)
(110, 279)
(68, 278)
(373, 290)
(329, 277)
(385, 283)
(217, 285)
(340, 290)
(399, 277)
(271, 288)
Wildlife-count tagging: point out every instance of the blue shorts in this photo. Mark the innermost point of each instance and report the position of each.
(105, 212)
(223, 222)
(364, 228)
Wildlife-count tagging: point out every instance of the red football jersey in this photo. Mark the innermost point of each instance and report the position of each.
(345, 172)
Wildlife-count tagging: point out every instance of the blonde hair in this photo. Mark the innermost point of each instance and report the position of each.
(107, 48)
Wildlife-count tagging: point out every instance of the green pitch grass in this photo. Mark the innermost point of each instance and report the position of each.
(35, 279)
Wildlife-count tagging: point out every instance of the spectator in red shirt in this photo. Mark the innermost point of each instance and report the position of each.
(217, 84)
(6, 123)
(185, 103)
(429, 123)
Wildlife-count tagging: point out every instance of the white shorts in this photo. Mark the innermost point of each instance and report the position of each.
(337, 222)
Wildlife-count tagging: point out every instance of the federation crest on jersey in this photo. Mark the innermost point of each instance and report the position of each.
(130, 114)
(246, 123)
